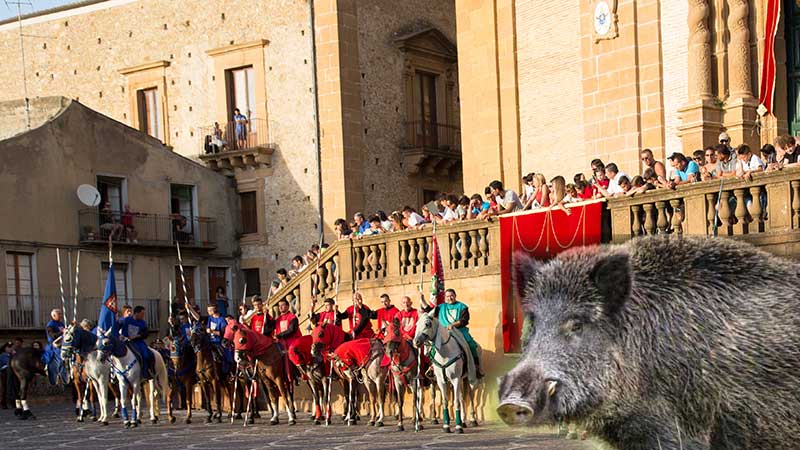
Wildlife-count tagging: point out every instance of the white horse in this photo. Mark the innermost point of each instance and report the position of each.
(80, 342)
(128, 372)
(449, 365)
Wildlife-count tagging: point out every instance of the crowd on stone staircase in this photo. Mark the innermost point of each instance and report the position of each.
(606, 180)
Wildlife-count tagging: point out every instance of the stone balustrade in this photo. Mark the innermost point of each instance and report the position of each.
(394, 261)
(764, 211)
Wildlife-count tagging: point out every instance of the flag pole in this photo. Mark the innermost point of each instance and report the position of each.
(77, 278)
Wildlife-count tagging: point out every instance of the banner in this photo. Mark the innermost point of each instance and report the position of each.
(107, 320)
(542, 234)
(767, 91)
(437, 274)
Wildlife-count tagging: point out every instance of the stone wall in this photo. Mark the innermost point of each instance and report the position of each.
(550, 86)
(675, 52)
(386, 185)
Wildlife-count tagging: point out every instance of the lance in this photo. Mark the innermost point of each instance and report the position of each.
(60, 280)
(190, 311)
(169, 300)
(77, 277)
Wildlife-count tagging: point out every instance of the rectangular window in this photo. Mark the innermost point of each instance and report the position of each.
(149, 107)
(425, 114)
(249, 212)
(253, 279)
(241, 91)
(120, 280)
(182, 208)
(19, 285)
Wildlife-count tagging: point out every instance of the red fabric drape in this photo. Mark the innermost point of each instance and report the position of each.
(542, 234)
(437, 273)
(765, 96)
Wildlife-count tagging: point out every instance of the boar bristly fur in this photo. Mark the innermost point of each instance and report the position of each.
(662, 343)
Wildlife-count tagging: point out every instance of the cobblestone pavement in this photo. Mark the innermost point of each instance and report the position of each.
(55, 428)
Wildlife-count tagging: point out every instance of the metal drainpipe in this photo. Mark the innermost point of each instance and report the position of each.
(316, 114)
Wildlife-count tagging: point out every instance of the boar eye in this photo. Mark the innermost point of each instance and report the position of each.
(573, 327)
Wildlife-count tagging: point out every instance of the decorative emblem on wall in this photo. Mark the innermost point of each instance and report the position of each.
(604, 19)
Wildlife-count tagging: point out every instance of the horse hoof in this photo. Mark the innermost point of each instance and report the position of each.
(378, 424)
(154, 421)
(171, 419)
(327, 422)
(250, 421)
(473, 423)
(17, 412)
(138, 422)
(316, 422)
(127, 424)
(400, 428)
(421, 427)
(292, 422)
(446, 429)
(351, 422)
(274, 421)
(219, 419)
(134, 424)
(238, 416)
(94, 418)
(115, 415)
(208, 419)
(187, 421)
(459, 430)
(435, 421)
(371, 423)
(104, 423)
(257, 415)
(79, 419)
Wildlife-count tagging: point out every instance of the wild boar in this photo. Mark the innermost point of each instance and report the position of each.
(662, 343)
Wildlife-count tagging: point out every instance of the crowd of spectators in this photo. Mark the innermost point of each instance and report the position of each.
(607, 180)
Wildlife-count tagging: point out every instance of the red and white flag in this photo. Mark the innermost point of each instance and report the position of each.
(437, 275)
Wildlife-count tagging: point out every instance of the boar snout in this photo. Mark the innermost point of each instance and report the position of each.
(516, 412)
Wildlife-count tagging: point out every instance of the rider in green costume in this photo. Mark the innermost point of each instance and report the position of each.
(454, 314)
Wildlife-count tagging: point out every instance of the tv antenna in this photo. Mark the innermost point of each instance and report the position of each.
(19, 4)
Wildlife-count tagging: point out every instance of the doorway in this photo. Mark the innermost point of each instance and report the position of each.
(792, 35)
(217, 278)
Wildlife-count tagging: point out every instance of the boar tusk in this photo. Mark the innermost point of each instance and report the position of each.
(551, 388)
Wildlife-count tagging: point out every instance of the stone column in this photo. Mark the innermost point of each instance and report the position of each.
(701, 116)
(740, 109)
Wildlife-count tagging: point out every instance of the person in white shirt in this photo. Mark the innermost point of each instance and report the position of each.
(413, 220)
(748, 163)
(528, 190)
(507, 200)
(614, 175)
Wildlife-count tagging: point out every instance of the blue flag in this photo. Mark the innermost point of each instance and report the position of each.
(108, 309)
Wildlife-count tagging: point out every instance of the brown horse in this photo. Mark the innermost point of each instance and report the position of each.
(180, 371)
(405, 370)
(84, 405)
(209, 372)
(360, 361)
(256, 349)
(325, 338)
(315, 372)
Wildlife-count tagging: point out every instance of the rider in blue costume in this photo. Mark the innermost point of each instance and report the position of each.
(52, 355)
(134, 330)
(453, 314)
(215, 327)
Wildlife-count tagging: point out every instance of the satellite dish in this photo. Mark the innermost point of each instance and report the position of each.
(88, 195)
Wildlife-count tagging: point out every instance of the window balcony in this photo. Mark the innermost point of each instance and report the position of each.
(146, 230)
(432, 149)
(236, 146)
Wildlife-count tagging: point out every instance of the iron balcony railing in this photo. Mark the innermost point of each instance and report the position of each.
(146, 229)
(234, 136)
(432, 136)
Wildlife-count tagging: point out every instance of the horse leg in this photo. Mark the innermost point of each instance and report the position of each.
(380, 391)
(473, 394)
(207, 388)
(24, 381)
(170, 390)
(458, 401)
(218, 398)
(445, 412)
(188, 387)
(372, 393)
(400, 389)
(275, 393)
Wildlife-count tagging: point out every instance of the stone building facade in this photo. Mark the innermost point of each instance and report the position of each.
(546, 86)
(173, 69)
(71, 145)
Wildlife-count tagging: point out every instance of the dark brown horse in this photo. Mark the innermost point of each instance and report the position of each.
(180, 372)
(316, 374)
(325, 339)
(261, 352)
(209, 372)
(404, 369)
(26, 364)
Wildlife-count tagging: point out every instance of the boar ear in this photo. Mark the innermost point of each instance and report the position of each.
(611, 276)
(525, 268)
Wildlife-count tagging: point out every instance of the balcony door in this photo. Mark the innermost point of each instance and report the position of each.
(19, 287)
(426, 114)
(120, 281)
(792, 28)
(182, 208)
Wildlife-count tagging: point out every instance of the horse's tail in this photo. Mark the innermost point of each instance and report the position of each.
(161, 380)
